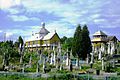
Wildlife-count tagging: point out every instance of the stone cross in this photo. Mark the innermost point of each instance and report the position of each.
(108, 48)
(37, 69)
(4, 60)
(51, 59)
(100, 55)
(67, 60)
(112, 49)
(30, 61)
(54, 57)
(102, 63)
(91, 58)
(44, 66)
(87, 60)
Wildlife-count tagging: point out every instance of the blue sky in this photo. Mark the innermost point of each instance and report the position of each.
(22, 17)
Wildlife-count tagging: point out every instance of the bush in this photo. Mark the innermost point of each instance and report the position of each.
(30, 70)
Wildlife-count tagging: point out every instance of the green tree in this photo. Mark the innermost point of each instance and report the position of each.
(8, 52)
(20, 40)
(67, 44)
(16, 44)
(77, 43)
(86, 42)
(63, 39)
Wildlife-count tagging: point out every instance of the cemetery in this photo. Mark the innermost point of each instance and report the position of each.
(45, 57)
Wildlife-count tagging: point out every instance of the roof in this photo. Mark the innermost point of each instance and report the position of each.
(99, 33)
(46, 37)
(43, 30)
(49, 36)
(110, 38)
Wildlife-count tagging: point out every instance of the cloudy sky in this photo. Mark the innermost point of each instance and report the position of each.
(22, 17)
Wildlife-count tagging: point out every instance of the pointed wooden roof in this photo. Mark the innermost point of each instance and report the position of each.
(99, 33)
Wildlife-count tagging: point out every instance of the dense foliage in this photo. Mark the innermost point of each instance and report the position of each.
(66, 43)
(86, 42)
(81, 42)
(77, 42)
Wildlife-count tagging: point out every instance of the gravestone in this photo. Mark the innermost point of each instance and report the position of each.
(51, 59)
(38, 68)
(100, 54)
(54, 58)
(71, 67)
(30, 61)
(102, 63)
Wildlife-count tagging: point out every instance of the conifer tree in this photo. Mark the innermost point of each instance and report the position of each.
(77, 43)
(86, 42)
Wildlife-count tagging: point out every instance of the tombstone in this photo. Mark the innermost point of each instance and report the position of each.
(113, 63)
(4, 59)
(71, 67)
(51, 59)
(37, 69)
(54, 58)
(67, 61)
(109, 48)
(91, 61)
(100, 55)
(30, 61)
(112, 49)
(91, 57)
(102, 64)
(76, 62)
(87, 60)
(44, 66)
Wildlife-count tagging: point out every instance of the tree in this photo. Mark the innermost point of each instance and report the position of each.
(67, 44)
(63, 39)
(16, 44)
(8, 52)
(86, 42)
(77, 43)
(20, 40)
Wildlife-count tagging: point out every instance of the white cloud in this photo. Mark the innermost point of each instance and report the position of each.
(8, 34)
(19, 18)
(13, 11)
(4, 4)
(99, 20)
(94, 16)
(1, 31)
(22, 18)
(61, 29)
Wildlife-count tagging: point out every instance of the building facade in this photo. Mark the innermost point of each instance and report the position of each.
(43, 40)
(104, 44)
